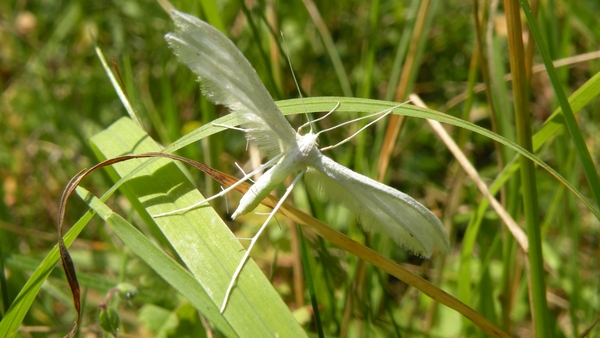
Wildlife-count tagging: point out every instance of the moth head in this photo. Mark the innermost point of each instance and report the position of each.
(307, 142)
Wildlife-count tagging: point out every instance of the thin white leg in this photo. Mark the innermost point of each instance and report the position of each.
(255, 239)
(225, 191)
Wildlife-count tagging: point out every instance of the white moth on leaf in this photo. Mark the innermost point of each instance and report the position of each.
(227, 78)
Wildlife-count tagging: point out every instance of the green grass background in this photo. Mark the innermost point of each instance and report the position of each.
(56, 96)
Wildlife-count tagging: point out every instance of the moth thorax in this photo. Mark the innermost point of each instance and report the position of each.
(306, 143)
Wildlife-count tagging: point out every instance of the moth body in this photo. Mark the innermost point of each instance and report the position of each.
(296, 158)
(227, 78)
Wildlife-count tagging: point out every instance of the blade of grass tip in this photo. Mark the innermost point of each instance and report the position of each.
(330, 46)
(124, 100)
(537, 284)
(589, 168)
(309, 282)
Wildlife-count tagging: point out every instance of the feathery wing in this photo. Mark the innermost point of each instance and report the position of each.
(227, 78)
(379, 207)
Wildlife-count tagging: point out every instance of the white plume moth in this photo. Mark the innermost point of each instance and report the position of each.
(227, 78)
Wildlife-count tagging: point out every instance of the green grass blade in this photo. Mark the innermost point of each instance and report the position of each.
(117, 86)
(18, 309)
(201, 239)
(319, 104)
(589, 168)
(529, 184)
(162, 263)
(579, 99)
(309, 281)
(553, 124)
(213, 14)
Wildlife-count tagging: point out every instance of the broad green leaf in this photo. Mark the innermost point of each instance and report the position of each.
(158, 260)
(200, 238)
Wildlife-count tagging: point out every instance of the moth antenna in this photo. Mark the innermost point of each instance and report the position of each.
(320, 118)
(383, 113)
(287, 56)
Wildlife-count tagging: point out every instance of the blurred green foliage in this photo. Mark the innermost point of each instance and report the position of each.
(55, 96)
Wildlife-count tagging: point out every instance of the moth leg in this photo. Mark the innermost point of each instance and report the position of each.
(233, 128)
(229, 127)
(225, 199)
(255, 239)
(269, 163)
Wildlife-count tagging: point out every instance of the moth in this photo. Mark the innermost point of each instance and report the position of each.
(227, 78)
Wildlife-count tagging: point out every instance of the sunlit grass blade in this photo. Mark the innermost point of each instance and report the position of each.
(20, 306)
(117, 86)
(201, 239)
(589, 167)
(319, 104)
(160, 262)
